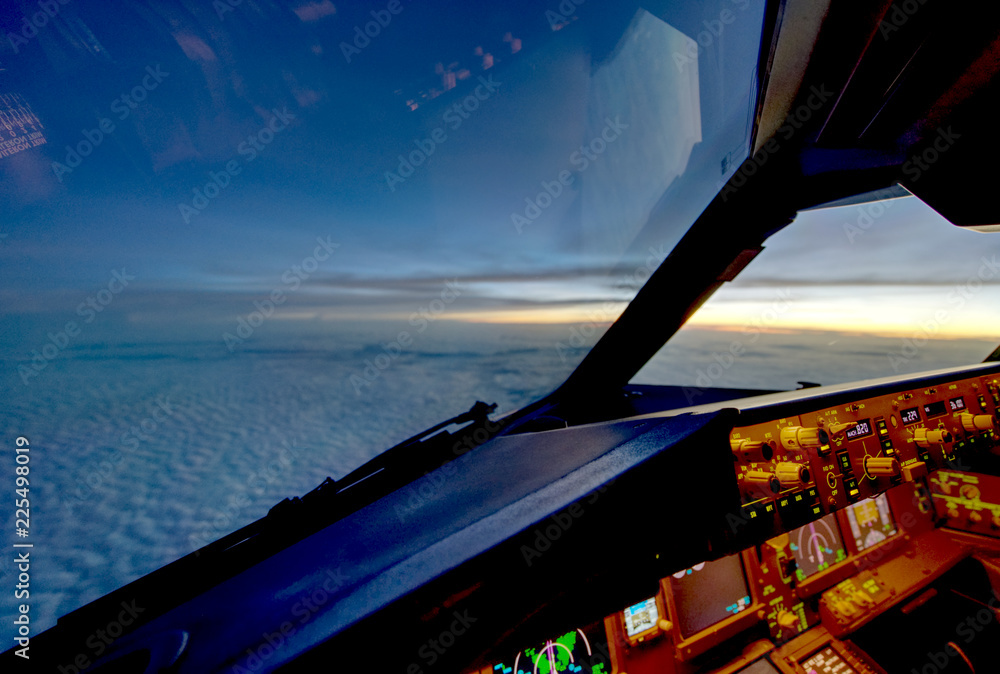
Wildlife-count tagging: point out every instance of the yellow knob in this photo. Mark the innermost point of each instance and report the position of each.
(836, 429)
(791, 474)
(787, 620)
(763, 478)
(925, 437)
(973, 423)
(794, 438)
(743, 445)
(975, 517)
(883, 466)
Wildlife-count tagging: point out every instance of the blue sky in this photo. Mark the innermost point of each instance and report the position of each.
(307, 137)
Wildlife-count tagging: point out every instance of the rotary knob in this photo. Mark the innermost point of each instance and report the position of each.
(787, 620)
(764, 478)
(881, 466)
(765, 448)
(836, 429)
(925, 437)
(794, 438)
(974, 423)
(792, 474)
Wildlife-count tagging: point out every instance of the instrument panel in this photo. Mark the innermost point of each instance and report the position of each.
(797, 467)
(850, 505)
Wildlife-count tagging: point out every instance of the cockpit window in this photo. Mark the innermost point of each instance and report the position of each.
(247, 245)
(879, 289)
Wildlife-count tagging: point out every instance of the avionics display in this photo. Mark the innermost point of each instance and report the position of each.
(957, 404)
(642, 617)
(910, 416)
(817, 546)
(934, 409)
(827, 661)
(859, 430)
(584, 651)
(709, 592)
(871, 521)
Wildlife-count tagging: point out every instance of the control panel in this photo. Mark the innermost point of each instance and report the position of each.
(810, 462)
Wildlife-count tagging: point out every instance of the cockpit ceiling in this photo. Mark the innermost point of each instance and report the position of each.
(915, 84)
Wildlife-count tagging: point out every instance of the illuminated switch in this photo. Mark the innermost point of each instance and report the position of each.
(888, 448)
(852, 488)
(880, 425)
(844, 459)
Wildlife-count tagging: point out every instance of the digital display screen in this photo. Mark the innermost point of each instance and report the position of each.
(709, 592)
(827, 661)
(817, 546)
(642, 617)
(860, 430)
(871, 521)
(957, 404)
(582, 651)
(910, 416)
(935, 409)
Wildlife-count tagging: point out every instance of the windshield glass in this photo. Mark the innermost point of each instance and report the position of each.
(844, 294)
(247, 245)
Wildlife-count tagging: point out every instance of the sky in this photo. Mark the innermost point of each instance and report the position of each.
(528, 167)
